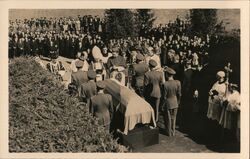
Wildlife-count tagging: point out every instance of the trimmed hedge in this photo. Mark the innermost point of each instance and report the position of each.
(44, 118)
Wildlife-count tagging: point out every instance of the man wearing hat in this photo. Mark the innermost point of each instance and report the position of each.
(152, 87)
(171, 95)
(139, 70)
(101, 106)
(88, 89)
(79, 77)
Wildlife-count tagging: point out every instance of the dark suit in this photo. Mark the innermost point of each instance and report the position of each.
(187, 81)
(185, 110)
(101, 106)
(66, 47)
(164, 55)
(26, 47)
(41, 47)
(172, 94)
(20, 46)
(179, 71)
(152, 81)
(34, 47)
(138, 79)
(61, 46)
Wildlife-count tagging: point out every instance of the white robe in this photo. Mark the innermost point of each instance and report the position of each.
(230, 116)
(215, 104)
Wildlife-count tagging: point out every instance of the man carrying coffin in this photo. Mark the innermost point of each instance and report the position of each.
(79, 77)
(88, 89)
(172, 95)
(101, 106)
(139, 70)
(152, 81)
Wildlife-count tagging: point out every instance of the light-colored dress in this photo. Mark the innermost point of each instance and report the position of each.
(215, 102)
(230, 116)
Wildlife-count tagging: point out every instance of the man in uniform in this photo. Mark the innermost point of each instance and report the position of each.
(88, 89)
(152, 81)
(172, 94)
(139, 70)
(101, 106)
(79, 77)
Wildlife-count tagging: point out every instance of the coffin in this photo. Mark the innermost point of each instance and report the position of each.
(132, 108)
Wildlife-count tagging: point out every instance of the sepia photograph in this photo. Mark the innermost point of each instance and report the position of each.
(125, 80)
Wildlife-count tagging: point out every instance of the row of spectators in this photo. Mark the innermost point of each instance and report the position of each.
(80, 24)
(67, 44)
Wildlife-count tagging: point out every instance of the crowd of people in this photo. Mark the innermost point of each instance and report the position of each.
(160, 65)
(41, 36)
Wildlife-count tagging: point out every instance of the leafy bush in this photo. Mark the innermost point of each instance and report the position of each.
(44, 118)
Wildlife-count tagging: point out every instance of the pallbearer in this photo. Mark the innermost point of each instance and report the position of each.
(139, 70)
(101, 106)
(172, 95)
(152, 81)
(88, 89)
(79, 77)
